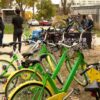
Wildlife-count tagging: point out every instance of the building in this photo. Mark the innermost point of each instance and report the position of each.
(83, 2)
(86, 7)
(7, 15)
(86, 2)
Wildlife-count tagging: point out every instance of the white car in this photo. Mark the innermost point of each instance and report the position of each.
(33, 22)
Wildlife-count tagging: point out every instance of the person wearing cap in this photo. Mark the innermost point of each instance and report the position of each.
(17, 22)
(1, 28)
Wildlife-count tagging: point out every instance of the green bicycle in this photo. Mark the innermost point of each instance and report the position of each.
(42, 90)
(82, 81)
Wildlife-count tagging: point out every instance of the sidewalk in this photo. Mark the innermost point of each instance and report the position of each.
(8, 38)
(97, 41)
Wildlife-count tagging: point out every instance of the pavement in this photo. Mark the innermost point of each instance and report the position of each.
(7, 38)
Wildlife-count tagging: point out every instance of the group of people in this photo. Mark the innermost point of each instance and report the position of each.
(17, 22)
(84, 22)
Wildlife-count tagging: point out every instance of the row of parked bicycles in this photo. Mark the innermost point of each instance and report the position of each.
(37, 74)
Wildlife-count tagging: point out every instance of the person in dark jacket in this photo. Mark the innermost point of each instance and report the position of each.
(69, 22)
(1, 29)
(17, 22)
(89, 29)
(84, 22)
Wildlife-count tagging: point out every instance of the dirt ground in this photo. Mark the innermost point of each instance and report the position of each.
(91, 56)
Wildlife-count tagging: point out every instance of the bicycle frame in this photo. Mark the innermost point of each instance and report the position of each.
(15, 57)
(48, 81)
(65, 87)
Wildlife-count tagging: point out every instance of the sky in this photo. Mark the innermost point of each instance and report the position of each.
(55, 1)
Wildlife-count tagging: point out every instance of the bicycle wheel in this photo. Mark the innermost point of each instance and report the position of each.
(31, 90)
(82, 80)
(6, 68)
(20, 77)
(60, 24)
(50, 64)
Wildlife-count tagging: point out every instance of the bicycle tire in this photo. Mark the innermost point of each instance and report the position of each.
(81, 80)
(37, 87)
(60, 24)
(16, 76)
(49, 64)
(3, 67)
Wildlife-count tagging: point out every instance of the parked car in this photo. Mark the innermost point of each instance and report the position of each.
(33, 22)
(45, 23)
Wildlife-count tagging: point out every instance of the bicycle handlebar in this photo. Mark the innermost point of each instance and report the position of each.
(12, 43)
(60, 43)
(74, 44)
(89, 67)
(30, 54)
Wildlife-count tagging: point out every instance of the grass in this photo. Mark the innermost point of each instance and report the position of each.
(8, 29)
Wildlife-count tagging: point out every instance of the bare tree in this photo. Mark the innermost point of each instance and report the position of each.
(4, 3)
(24, 4)
(66, 6)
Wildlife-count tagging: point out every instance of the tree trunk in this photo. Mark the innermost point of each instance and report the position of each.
(33, 9)
(65, 7)
(23, 13)
(63, 3)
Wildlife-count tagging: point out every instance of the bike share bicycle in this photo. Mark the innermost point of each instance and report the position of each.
(47, 87)
(13, 76)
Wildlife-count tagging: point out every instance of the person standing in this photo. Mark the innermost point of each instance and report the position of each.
(84, 22)
(1, 28)
(17, 22)
(69, 22)
(89, 29)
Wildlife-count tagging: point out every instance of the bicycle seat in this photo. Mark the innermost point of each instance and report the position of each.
(29, 54)
(94, 87)
(27, 63)
(36, 60)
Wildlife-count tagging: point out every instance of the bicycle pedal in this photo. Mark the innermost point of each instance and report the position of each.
(68, 95)
(4, 81)
(76, 91)
(4, 67)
